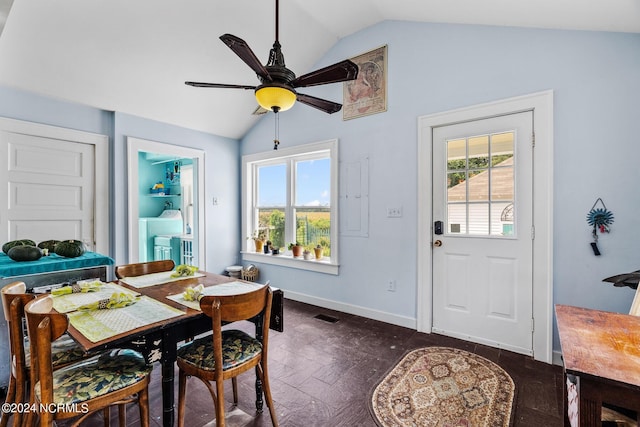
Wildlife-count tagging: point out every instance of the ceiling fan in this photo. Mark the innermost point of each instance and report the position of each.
(277, 89)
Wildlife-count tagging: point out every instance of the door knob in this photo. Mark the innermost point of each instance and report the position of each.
(437, 243)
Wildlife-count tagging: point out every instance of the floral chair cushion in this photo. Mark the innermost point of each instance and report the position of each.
(64, 350)
(237, 348)
(97, 376)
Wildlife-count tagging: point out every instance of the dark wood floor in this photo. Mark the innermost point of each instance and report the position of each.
(322, 374)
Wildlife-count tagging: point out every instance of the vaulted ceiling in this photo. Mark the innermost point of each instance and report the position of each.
(134, 56)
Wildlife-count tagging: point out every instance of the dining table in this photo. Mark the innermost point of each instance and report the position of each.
(159, 321)
(601, 362)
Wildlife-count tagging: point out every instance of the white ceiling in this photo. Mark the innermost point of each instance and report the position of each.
(133, 56)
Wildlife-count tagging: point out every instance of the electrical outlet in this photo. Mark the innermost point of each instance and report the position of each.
(394, 212)
(391, 286)
(215, 201)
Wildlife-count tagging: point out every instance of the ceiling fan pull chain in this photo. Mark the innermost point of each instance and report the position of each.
(276, 140)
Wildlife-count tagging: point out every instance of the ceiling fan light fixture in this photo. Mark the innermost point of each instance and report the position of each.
(275, 98)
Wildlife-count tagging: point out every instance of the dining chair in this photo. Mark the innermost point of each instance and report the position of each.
(226, 354)
(14, 297)
(142, 268)
(64, 350)
(79, 389)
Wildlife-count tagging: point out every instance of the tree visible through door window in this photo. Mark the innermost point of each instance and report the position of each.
(480, 185)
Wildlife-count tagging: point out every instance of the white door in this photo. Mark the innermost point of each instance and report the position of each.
(47, 188)
(482, 260)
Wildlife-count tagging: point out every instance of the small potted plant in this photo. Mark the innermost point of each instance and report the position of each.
(318, 252)
(306, 254)
(258, 238)
(267, 247)
(296, 248)
(275, 250)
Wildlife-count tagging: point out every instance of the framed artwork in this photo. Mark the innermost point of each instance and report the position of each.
(368, 93)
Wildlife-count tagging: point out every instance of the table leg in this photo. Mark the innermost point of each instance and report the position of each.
(259, 402)
(169, 356)
(167, 394)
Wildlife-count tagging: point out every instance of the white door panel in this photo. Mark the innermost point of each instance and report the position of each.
(50, 187)
(482, 191)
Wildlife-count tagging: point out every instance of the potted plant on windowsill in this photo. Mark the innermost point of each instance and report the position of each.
(296, 248)
(318, 252)
(306, 254)
(258, 238)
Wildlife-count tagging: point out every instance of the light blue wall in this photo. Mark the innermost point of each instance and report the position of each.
(221, 162)
(22, 105)
(432, 68)
(221, 180)
(438, 67)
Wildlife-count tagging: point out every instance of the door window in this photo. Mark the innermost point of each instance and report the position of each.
(481, 185)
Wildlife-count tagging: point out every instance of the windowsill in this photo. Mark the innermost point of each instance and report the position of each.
(287, 260)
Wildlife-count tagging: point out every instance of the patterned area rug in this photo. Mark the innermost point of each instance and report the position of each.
(443, 387)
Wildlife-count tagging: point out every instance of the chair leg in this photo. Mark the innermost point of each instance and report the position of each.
(122, 415)
(234, 385)
(106, 416)
(182, 390)
(28, 419)
(220, 421)
(11, 398)
(21, 395)
(266, 388)
(143, 403)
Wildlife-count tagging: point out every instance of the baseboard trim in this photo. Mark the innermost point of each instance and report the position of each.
(382, 316)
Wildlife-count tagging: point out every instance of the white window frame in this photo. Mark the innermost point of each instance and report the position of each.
(327, 265)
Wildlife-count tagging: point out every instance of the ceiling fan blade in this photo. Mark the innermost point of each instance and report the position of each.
(242, 49)
(321, 104)
(340, 72)
(219, 85)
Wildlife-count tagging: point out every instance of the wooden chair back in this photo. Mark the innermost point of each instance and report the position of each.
(14, 298)
(232, 308)
(142, 268)
(44, 325)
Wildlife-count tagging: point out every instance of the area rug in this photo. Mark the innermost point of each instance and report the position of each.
(443, 387)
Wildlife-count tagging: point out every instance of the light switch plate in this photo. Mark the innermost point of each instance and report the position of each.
(394, 212)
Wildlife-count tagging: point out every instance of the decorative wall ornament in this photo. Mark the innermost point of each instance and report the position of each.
(367, 94)
(600, 218)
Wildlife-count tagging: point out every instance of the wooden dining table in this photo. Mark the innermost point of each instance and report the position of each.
(601, 350)
(159, 341)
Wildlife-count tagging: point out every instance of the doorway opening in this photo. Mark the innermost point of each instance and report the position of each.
(166, 221)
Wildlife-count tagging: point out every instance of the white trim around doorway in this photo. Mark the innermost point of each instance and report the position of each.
(136, 145)
(541, 104)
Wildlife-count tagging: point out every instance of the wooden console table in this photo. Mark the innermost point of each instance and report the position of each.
(602, 350)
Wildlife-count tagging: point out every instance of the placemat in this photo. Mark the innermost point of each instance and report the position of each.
(153, 279)
(71, 302)
(97, 325)
(231, 288)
